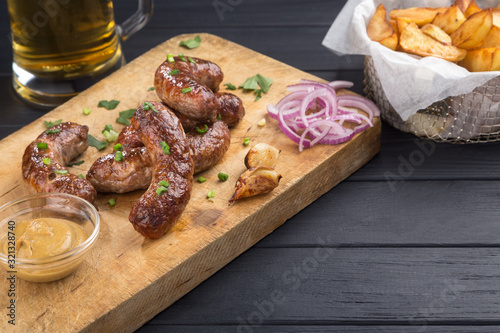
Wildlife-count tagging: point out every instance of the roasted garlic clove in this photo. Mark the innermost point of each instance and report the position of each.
(254, 181)
(262, 154)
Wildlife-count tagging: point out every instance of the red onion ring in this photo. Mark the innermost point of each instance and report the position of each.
(328, 112)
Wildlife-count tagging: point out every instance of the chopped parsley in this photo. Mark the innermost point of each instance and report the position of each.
(108, 105)
(100, 145)
(230, 86)
(49, 124)
(124, 116)
(76, 163)
(165, 147)
(191, 43)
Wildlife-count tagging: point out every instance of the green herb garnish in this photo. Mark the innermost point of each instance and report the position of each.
(222, 176)
(118, 147)
(202, 130)
(53, 131)
(258, 92)
(151, 88)
(211, 194)
(219, 117)
(246, 141)
(125, 115)
(191, 43)
(170, 58)
(254, 82)
(49, 124)
(81, 176)
(41, 145)
(201, 180)
(110, 134)
(174, 72)
(165, 147)
(100, 145)
(181, 56)
(109, 105)
(162, 188)
(119, 156)
(86, 111)
(164, 183)
(230, 86)
(46, 161)
(112, 202)
(187, 90)
(191, 60)
(61, 172)
(148, 106)
(76, 163)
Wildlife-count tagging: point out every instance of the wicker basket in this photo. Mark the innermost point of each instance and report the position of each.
(469, 118)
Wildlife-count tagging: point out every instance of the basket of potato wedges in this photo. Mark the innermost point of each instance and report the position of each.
(462, 33)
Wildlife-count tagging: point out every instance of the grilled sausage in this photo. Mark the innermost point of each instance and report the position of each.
(135, 170)
(198, 80)
(43, 168)
(230, 108)
(155, 212)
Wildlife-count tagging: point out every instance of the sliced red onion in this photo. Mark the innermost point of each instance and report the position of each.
(315, 109)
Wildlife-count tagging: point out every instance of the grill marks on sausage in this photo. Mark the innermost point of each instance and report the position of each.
(70, 141)
(153, 214)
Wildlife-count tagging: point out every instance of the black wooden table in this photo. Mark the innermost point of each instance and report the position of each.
(419, 254)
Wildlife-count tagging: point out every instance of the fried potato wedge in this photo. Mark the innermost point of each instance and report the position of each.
(437, 33)
(450, 20)
(473, 8)
(481, 60)
(402, 23)
(472, 33)
(414, 41)
(421, 16)
(380, 30)
(255, 181)
(496, 17)
(462, 5)
(493, 38)
(262, 154)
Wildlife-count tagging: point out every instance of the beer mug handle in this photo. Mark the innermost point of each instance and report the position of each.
(136, 21)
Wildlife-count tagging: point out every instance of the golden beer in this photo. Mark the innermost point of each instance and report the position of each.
(61, 47)
(64, 39)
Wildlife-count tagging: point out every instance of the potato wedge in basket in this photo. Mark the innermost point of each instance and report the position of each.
(480, 60)
(380, 30)
(493, 38)
(462, 5)
(472, 33)
(437, 33)
(420, 15)
(473, 8)
(414, 41)
(450, 20)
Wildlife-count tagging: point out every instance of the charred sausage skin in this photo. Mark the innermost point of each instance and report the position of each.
(65, 142)
(153, 214)
(198, 79)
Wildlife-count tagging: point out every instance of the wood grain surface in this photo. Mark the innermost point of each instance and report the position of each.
(127, 280)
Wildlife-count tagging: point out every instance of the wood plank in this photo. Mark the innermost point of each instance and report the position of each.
(419, 213)
(419, 287)
(128, 279)
(314, 329)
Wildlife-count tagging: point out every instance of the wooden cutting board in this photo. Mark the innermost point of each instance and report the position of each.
(127, 279)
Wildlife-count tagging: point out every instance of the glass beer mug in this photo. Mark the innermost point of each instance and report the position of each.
(61, 47)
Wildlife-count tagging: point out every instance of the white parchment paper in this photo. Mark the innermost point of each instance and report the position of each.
(410, 82)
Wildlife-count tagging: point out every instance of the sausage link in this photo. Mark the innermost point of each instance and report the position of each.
(201, 79)
(44, 168)
(230, 108)
(154, 213)
(134, 172)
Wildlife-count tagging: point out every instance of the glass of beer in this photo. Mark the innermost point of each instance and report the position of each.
(61, 47)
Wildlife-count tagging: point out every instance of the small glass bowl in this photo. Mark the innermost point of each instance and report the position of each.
(48, 205)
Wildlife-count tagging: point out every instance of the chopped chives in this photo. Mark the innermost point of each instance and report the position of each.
(81, 176)
(76, 163)
(164, 183)
(211, 194)
(222, 176)
(201, 180)
(170, 58)
(219, 117)
(161, 189)
(165, 147)
(191, 60)
(46, 161)
(119, 156)
(174, 72)
(151, 88)
(54, 131)
(202, 130)
(187, 90)
(148, 106)
(112, 202)
(181, 56)
(86, 111)
(118, 147)
(41, 145)
(246, 141)
(61, 172)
